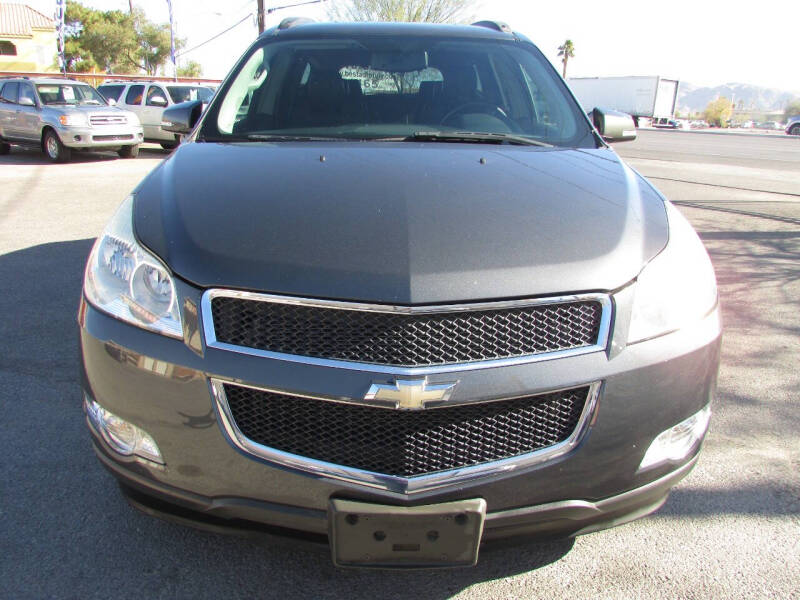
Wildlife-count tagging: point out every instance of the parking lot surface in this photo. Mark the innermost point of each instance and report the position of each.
(729, 530)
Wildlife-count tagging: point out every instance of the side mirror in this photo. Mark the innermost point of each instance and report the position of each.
(26, 101)
(112, 102)
(614, 126)
(157, 101)
(181, 118)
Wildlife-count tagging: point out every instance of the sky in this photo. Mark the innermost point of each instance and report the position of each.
(703, 42)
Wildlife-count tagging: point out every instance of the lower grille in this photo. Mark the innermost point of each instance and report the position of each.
(111, 138)
(405, 443)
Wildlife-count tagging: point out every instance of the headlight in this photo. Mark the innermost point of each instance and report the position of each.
(127, 282)
(133, 119)
(73, 120)
(677, 287)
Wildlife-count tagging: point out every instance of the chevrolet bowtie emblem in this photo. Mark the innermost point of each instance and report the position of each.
(410, 394)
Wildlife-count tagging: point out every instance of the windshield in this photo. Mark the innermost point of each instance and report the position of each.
(68, 93)
(184, 93)
(403, 87)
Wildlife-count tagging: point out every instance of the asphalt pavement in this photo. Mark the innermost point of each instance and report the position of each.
(729, 530)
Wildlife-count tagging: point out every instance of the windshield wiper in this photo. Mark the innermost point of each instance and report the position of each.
(475, 137)
(266, 137)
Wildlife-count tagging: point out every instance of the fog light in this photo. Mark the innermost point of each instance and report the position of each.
(676, 442)
(77, 138)
(122, 436)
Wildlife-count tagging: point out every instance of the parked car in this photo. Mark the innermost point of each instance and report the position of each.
(61, 116)
(407, 302)
(771, 125)
(148, 99)
(793, 125)
(666, 123)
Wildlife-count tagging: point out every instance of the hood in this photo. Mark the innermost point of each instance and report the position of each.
(404, 223)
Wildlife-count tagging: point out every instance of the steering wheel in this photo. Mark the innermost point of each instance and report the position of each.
(481, 107)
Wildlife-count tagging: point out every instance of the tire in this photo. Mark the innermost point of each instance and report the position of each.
(169, 145)
(795, 129)
(129, 151)
(4, 148)
(54, 149)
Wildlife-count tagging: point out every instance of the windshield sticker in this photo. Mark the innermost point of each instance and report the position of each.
(374, 81)
(68, 92)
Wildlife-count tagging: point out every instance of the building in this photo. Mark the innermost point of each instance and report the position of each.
(27, 39)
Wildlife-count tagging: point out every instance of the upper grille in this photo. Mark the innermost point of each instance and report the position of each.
(406, 340)
(405, 443)
(108, 119)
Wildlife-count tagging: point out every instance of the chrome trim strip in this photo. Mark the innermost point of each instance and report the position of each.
(404, 486)
(212, 342)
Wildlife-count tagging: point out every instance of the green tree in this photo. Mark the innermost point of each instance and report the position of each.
(566, 51)
(115, 41)
(417, 11)
(98, 40)
(154, 43)
(792, 109)
(718, 112)
(190, 69)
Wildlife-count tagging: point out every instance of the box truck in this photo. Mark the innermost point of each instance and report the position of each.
(639, 96)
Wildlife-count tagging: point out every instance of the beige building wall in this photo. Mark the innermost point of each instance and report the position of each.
(35, 53)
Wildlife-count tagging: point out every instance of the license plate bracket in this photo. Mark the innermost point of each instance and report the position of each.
(387, 537)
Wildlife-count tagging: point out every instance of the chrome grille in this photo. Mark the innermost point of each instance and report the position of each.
(405, 443)
(383, 336)
(108, 120)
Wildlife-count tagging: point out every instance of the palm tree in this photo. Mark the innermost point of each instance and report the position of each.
(567, 50)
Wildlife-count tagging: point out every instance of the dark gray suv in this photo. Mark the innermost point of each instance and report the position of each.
(397, 294)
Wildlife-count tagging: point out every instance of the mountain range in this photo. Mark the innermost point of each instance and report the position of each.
(746, 96)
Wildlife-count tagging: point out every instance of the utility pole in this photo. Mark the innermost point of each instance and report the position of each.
(261, 16)
(130, 6)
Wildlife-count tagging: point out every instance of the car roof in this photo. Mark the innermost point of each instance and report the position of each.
(51, 80)
(309, 29)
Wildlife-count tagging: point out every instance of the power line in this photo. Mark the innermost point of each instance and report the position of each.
(211, 39)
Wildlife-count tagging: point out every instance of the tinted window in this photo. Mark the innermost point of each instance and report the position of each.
(111, 92)
(135, 94)
(154, 92)
(9, 93)
(26, 91)
(374, 87)
(184, 93)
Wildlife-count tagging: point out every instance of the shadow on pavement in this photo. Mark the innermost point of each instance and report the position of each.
(31, 156)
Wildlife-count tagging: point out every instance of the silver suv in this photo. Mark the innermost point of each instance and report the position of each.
(62, 115)
(148, 99)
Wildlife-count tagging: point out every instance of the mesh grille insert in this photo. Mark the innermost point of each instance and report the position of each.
(406, 340)
(405, 443)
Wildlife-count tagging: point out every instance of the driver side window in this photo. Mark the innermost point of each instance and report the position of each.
(26, 91)
(155, 92)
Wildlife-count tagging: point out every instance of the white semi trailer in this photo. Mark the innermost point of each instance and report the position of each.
(639, 96)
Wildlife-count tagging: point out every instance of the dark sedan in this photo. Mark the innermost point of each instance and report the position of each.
(396, 293)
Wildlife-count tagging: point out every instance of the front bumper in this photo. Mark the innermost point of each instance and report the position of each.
(107, 136)
(162, 385)
(231, 515)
